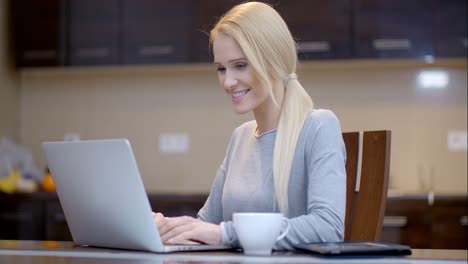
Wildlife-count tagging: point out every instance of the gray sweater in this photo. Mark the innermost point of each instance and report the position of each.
(317, 183)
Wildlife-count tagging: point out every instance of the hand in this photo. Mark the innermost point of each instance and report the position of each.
(180, 230)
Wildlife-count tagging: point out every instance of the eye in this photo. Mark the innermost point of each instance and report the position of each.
(241, 66)
(220, 69)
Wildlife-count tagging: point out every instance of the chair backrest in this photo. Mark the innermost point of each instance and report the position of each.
(367, 169)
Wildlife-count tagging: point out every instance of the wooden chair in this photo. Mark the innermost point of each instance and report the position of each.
(367, 169)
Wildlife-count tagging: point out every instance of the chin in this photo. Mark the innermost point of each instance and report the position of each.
(241, 110)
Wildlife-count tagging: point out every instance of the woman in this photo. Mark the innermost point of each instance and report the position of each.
(290, 159)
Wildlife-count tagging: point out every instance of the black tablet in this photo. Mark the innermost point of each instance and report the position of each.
(355, 248)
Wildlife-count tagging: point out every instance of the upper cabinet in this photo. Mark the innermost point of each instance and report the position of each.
(156, 31)
(450, 33)
(93, 32)
(322, 29)
(206, 15)
(112, 32)
(38, 32)
(389, 29)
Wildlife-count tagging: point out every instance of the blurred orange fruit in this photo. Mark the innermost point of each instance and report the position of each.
(48, 183)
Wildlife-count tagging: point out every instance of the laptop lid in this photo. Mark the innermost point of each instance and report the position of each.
(103, 197)
(102, 194)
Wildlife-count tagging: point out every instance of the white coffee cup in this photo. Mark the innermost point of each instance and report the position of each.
(258, 232)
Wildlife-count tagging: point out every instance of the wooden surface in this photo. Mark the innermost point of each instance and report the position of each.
(365, 208)
(66, 252)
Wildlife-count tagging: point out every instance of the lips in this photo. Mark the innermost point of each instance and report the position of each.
(238, 96)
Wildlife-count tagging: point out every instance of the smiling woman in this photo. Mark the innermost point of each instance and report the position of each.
(290, 159)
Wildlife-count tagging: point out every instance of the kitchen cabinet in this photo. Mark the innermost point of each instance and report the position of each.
(21, 217)
(322, 29)
(156, 31)
(415, 220)
(438, 222)
(450, 30)
(39, 216)
(38, 29)
(93, 32)
(55, 226)
(206, 14)
(393, 29)
(116, 32)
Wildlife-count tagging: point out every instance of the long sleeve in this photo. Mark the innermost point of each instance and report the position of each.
(316, 189)
(212, 210)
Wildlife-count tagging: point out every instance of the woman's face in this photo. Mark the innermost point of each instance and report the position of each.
(236, 76)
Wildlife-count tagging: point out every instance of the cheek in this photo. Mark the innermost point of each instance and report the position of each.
(221, 80)
(262, 92)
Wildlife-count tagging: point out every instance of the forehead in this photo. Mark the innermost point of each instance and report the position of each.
(225, 48)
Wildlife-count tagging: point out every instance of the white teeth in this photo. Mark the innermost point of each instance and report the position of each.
(235, 95)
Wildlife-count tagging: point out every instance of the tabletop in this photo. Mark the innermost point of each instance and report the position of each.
(22, 251)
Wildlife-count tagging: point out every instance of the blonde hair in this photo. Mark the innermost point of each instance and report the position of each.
(270, 49)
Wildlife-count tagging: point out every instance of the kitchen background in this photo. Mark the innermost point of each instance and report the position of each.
(142, 102)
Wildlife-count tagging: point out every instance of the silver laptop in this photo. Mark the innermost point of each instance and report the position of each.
(103, 197)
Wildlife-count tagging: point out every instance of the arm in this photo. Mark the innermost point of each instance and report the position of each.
(325, 158)
(212, 211)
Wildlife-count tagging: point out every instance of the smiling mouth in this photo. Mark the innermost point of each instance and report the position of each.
(239, 94)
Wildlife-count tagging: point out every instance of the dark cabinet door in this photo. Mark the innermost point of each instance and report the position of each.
(21, 220)
(206, 14)
(38, 32)
(93, 32)
(450, 224)
(156, 31)
(322, 29)
(450, 30)
(56, 227)
(397, 28)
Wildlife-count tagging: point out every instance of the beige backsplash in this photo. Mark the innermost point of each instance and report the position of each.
(140, 102)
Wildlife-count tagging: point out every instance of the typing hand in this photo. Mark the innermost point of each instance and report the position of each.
(186, 229)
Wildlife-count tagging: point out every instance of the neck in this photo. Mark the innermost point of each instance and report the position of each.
(268, 113)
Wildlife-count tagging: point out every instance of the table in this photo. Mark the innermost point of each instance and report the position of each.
(57, 252)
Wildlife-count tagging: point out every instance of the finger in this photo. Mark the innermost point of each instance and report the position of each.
(158, 219)
(182, 238)
(157, 216)
(174, 222)
(176, 231)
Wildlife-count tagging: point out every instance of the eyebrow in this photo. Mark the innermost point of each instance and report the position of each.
(231, 61)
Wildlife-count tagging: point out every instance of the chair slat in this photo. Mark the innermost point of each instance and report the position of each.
(365, 209)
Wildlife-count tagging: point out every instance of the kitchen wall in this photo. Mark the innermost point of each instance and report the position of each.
(139, 103)
(9, 82)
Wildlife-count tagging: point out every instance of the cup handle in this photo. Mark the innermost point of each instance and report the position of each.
(285, 232)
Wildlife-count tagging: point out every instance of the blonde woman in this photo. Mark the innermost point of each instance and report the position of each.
(290, 159)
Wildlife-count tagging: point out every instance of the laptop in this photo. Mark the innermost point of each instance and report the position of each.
(103, 196)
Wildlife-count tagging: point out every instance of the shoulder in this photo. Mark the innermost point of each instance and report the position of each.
(246, 128)
(322, 130)
(320, 119)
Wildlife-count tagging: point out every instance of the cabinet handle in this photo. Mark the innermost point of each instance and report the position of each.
(464, 220)
(156, 50)
(314, 46)
(16, 216)
(92, 52)
(391, 44)
(39, 54)
(465, 42)
(395, 221)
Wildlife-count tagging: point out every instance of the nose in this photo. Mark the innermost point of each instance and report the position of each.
(229, 81)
